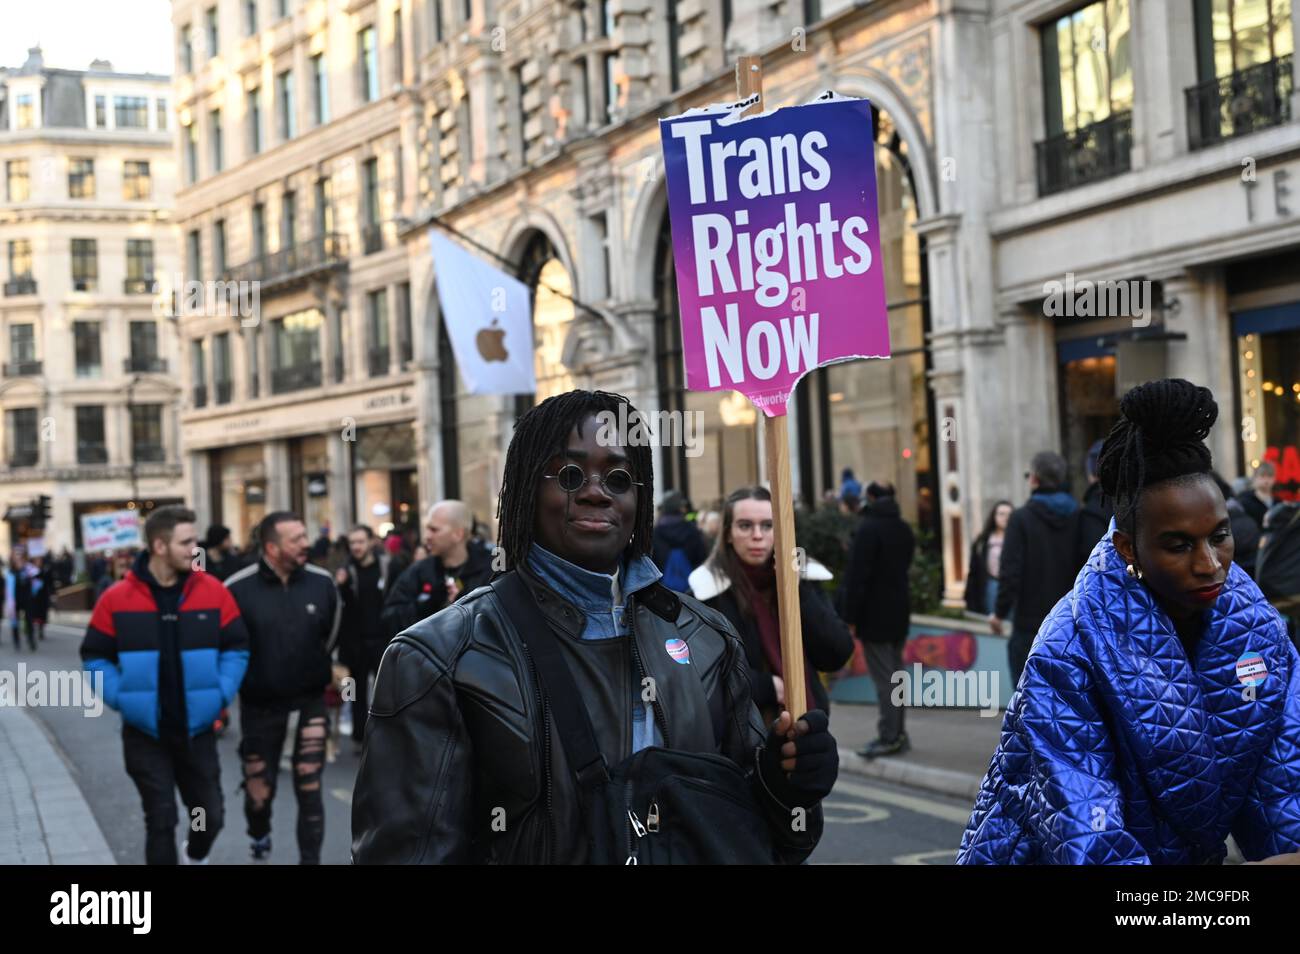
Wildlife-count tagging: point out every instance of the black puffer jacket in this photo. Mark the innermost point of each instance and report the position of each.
(292, 630)
(458, 730)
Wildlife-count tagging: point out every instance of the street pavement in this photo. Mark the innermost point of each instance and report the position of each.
(868, 820)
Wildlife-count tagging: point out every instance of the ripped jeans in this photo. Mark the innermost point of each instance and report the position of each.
(264, 730)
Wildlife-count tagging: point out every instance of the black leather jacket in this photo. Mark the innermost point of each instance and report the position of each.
(462, 762)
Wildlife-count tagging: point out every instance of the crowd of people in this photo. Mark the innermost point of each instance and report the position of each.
(601, 650)
(292, 629)
(29, 588)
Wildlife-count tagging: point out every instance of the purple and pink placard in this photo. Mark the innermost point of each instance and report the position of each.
(759, 311)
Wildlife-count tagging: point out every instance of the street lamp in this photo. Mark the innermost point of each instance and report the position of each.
(130, 423)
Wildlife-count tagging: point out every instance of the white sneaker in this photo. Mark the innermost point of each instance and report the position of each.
(187, 860)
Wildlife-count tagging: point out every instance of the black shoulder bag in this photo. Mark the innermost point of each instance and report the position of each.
(660, 806)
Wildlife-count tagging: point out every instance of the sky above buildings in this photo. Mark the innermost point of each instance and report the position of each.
(134, 35)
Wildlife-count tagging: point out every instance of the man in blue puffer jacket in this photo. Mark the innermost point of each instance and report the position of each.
(1159, 709)
(171, 648)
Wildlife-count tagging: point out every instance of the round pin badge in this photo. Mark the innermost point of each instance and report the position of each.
(1251, 669)
(678, 650)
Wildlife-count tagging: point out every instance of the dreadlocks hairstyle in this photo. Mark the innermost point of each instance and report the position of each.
(540, 434)
(1160, 436)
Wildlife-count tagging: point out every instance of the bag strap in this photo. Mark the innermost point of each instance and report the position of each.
(571, 717)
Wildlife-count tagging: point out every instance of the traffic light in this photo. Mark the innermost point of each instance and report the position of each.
(41, 512)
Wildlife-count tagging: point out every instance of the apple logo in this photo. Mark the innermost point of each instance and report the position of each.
(490, 343)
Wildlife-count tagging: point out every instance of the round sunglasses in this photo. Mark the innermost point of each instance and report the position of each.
(572, 478)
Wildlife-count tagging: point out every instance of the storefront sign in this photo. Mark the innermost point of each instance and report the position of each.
(776, 240)
(110, 531)
(1281, 181)
(388, 400)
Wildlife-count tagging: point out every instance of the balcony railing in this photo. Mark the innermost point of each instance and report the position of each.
(145, 365)
(1090, 154)
(92, 452)
(296, 378)
(24, 457)
(378, 361)
(372, 238)
(148, 453)
(322, 253)
(85, 284)
(20, 286)
(22, 369)
(223, 392)
(138, 286)
(200, 396)
(1242, 103)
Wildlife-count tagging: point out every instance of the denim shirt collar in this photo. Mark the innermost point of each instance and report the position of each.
(588, 591)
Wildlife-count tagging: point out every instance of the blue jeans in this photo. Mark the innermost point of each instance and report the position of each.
(990, 596)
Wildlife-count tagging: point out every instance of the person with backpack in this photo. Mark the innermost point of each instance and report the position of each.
(739, 581)
(576, 710)
(1039, 558)
(679, 547)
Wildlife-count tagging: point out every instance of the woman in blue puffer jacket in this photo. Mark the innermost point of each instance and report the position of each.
(1159, 710)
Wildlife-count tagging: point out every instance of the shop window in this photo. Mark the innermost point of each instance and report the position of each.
(720, 454)
(1268, 362)
(384, 458)
(240, 473)
(1087, 95)
(879, 414)
(1244, 51)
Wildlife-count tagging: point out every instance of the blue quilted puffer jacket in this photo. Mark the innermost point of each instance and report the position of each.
(1116, 749)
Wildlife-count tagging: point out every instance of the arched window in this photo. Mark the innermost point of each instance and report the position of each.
(721, 453)
(876, 416)
(670, 372)
(551, 291)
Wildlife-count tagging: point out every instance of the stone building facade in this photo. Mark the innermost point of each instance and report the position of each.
(1023, 147)
(88, 388)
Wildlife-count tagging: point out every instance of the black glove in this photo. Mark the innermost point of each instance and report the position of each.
(817, 763)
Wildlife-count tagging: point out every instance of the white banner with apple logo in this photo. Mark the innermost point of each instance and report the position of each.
(489, 320)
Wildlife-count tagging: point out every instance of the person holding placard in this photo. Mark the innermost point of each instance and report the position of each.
(576, 710)
(739, 581)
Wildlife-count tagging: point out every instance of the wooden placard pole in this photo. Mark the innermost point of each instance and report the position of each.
(749, 80)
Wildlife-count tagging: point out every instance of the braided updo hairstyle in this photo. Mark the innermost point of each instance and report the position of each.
(1160, 436)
